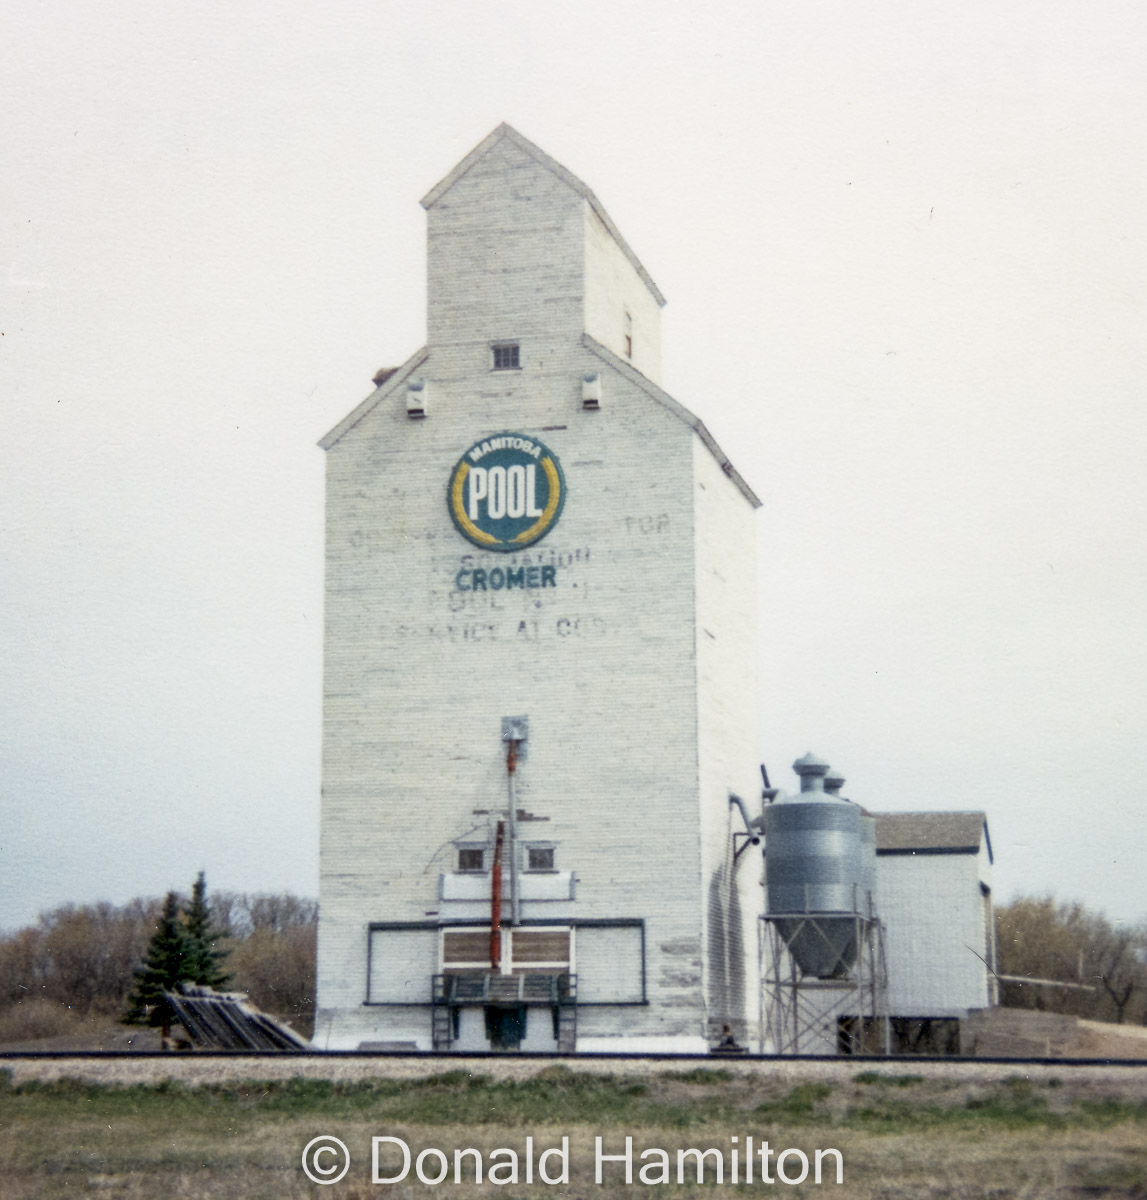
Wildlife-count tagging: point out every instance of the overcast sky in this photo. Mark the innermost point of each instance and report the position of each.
(905, 253)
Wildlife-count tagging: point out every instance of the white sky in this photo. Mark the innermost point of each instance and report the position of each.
(905, 252)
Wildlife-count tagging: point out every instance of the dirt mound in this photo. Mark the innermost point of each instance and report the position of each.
(89, 1036)
(1025, 1033)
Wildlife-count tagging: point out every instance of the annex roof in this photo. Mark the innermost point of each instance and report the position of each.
(932, 833)
(508, 132)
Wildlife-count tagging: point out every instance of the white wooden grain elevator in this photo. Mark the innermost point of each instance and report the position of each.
(540, 574)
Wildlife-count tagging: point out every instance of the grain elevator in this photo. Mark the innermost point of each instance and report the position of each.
(542, 815)
(540, 694)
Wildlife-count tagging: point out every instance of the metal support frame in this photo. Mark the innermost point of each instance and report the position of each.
(795, 1004)
(487, 989)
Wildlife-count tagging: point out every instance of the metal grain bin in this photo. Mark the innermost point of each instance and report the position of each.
(866, 894)
(867, 864)
(813, 872)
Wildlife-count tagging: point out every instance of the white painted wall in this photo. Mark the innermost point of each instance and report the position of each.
(419, 675)
(505, 259)
(402, 963)
(933, 911)
(728, 753)
(613, 289)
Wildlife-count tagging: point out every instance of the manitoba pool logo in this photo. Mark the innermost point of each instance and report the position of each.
(506, 492)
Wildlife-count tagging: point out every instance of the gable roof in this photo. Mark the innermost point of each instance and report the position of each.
(932, 833)
(390, 382)
(508, 133)
(393, 379)
(678, 410)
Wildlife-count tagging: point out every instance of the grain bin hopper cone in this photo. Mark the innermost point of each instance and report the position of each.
(813, 872)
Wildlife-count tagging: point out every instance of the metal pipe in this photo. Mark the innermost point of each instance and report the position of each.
(754, 832)
(1078, 987)
(496, 901)
(511, 768)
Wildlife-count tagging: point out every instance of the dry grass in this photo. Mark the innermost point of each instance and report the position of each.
(902, 1138)
(44, 1027)
(37, 1019)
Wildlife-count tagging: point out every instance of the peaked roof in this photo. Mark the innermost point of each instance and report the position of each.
(388, 386)
(931, 833)
(678, 410)
(508, 133)
(395, 377)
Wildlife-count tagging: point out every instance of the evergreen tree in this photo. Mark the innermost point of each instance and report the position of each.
(205, 958)
(164, 966)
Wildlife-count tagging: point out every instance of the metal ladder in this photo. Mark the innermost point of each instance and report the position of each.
(567, 1029)
(442, 1027)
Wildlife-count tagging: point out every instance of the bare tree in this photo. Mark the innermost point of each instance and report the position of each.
(1039, 939)
(79, 961)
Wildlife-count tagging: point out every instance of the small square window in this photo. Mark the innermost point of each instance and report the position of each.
(471, 860)
(540, 858)
(506, 357)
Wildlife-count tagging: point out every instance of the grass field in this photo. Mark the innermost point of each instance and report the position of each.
(899, 1136)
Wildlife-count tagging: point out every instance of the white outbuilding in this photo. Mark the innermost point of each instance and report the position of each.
(934, 897)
